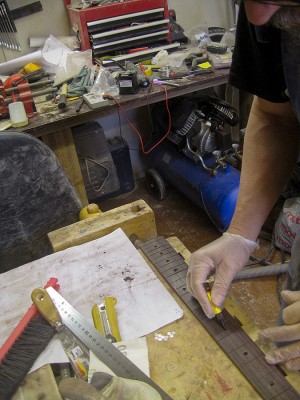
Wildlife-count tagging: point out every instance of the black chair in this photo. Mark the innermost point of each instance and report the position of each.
(36, 197)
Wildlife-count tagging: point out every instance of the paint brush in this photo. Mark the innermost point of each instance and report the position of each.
(23, 347)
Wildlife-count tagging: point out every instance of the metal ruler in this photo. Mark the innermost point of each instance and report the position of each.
(98, 344)
(268, 380)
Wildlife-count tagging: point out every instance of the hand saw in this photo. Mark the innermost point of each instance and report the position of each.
(98, 344)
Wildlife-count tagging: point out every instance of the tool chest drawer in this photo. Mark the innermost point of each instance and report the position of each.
(116, 28)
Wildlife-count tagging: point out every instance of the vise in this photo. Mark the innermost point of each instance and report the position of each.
(22, 92)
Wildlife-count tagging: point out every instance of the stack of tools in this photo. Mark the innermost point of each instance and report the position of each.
(60, 314)
(22, 88)
(78, 337)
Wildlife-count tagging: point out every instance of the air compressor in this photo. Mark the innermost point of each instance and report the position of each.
(198, 156)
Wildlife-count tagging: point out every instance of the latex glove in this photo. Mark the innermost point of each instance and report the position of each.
(288, 355)
(104, 386)
(225, 257)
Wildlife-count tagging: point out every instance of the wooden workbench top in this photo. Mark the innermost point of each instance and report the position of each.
(190, 365)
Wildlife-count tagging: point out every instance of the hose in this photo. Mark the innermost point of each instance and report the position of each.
(255, 272)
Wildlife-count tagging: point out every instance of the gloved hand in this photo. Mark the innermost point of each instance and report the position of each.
(104, 386)
(288, 355)
(225, 256)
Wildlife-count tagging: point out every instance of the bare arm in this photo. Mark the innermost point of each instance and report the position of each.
(270, 153)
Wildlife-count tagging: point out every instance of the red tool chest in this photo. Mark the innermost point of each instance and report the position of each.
(117, 27)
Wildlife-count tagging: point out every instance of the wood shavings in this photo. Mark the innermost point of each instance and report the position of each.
(47, 108)
(159, 337)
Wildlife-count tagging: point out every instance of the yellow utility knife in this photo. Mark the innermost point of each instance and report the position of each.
(105, 319)
(217, 311)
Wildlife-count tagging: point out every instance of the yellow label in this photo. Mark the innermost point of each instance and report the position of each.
(205, 65)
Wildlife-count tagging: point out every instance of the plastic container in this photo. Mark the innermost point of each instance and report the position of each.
(17, 114)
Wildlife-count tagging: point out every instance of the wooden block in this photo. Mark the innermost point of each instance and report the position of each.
(134, 218)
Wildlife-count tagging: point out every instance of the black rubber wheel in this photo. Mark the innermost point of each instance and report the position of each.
(156, 184)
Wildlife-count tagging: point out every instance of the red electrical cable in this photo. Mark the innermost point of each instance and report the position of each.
(135, 129)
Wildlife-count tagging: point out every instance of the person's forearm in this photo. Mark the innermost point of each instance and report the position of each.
(270, 154)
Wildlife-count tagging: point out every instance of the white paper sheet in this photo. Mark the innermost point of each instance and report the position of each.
(14, 65)
(55, 58)
(109, 266)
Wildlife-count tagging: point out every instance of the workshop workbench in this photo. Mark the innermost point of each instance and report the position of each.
(54, 128)
(191, 365)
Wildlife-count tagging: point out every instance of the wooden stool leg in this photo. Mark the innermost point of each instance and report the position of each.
(62, 144)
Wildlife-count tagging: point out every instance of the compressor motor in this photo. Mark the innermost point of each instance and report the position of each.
(198, 128)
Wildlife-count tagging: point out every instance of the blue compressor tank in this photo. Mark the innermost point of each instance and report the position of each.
(217, 195)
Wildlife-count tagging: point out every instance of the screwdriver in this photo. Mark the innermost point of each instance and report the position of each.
(62, 102)
(160, 82)
(217, 311)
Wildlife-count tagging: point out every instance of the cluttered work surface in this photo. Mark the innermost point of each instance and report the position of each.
(180, 355)
(57, 85)
(52, 119)
(56, 119)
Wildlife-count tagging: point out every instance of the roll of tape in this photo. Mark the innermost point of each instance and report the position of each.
(148, 70)
(17, 114)
(164, 72)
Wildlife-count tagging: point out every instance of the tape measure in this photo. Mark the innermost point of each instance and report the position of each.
(98, 344)
(267, 379)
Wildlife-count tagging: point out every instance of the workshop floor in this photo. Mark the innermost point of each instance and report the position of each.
(178, 216)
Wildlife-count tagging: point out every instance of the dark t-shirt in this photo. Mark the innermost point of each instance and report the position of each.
(266, 63)
(257, 65)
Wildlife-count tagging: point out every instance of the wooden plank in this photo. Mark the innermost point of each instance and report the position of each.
(134, 218)
(62, 144)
